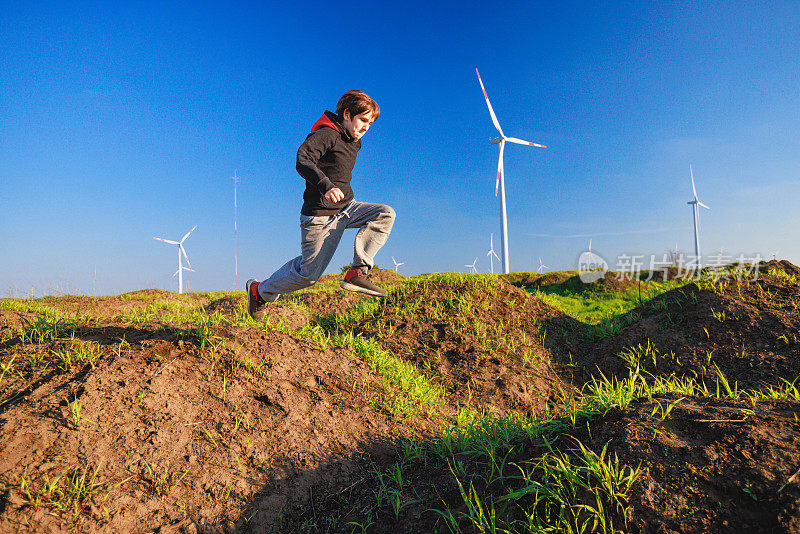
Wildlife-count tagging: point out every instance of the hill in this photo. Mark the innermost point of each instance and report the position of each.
(458, 403)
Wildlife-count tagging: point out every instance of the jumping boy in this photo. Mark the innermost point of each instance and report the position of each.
(326, 160)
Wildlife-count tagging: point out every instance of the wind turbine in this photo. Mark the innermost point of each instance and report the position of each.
(500, 183)
(396, 264)
(181, 268)
(472, 266)
(695, 202)
(541, 265)
(492, 253)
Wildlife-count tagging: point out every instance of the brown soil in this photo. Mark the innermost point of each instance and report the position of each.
(749, 330)
(184, 437)
(540, 281)
(711, 466)
(487, 353)
(254, 429)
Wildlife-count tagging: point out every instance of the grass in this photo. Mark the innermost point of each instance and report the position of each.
(508, 474)
(67, 494)
(607, 312)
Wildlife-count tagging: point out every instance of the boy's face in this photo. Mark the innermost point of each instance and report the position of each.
(357, 126)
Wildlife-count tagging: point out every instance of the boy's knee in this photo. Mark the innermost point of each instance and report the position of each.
(389, 212)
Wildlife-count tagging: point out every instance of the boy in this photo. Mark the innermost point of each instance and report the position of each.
(325, 160)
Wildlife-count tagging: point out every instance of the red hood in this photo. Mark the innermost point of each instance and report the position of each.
(324, 121)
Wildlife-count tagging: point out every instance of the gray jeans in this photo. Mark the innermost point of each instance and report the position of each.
(320, 235)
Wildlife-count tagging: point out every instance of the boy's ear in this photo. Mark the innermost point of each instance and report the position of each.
(346, 114)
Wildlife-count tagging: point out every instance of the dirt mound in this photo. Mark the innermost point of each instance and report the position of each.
(571, 282)
(168, 426)
(779, 265)
(540, 281)
(480, 337)
(378, 275)
(229, 305)
(710, 466)
(699, 465)
(747, 329)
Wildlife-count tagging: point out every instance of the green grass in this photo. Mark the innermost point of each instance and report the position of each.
(594, 307)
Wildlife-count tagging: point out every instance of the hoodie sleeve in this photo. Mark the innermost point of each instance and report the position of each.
(313, 148)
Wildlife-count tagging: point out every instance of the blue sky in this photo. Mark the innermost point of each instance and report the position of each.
(125, 121)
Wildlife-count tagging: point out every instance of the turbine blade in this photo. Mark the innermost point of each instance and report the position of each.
(523, 142)
(499, 167)
(187, 235)
(701, 204)
(176, 272)
(188, 269)
(166, 241)
(694, 191)
(496, 256)
(489, 104)
(184, 255)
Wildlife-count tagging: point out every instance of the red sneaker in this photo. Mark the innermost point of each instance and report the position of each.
(255, 304)
(358, 280)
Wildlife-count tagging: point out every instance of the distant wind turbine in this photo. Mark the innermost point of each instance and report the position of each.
(500, 183)
(397, 264)
(492, 254)
(675, 257)
(472, 266)
(541, 265)
(774, 254)
(181, 268)
(695, 211)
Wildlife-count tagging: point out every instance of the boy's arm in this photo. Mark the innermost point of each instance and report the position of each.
(308, 155)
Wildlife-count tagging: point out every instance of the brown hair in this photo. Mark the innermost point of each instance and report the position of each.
(357, 102)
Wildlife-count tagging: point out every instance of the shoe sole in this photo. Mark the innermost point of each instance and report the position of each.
(358, 289)
(254, 313)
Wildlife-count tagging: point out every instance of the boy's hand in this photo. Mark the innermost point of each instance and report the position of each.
(334, 195)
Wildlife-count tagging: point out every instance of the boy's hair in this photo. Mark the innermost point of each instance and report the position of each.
(357, 102)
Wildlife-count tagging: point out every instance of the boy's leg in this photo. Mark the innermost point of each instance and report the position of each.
(375, 222)
(320, 235)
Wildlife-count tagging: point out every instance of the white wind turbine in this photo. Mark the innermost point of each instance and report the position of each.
(541, 265)
(471, 266)
(695, 202)
(396, 264)
(181, 268)
(492, 253)
(500, 183)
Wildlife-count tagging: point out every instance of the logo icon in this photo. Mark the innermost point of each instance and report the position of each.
(591, 267)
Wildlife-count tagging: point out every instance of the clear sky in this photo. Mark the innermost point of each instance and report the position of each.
(124, 121)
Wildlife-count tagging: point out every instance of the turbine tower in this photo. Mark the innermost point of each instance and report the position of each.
(500, 183)
(695, 210)
(492, 253)
(181, 268)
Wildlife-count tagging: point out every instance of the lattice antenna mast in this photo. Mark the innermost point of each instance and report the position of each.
(235, 234)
